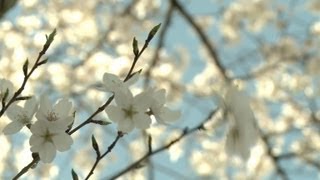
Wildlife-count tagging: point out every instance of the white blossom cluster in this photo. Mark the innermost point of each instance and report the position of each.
(49, 131)
(134, 111)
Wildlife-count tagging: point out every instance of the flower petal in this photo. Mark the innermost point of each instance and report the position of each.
(142, 121)
(62, 141)
(45, 104)
(115, 113)
(13, 128)
(39, 127)
(111, 82)
(143, 101)
(47, 153)
(123, 98)
(31, 106)
(36, 148)
(159, 97)
(62, 108)
(14, 112)
(125, 125)
(235, 144)
(44, 109)
(167, 115)
(36, 141)
(132, 80)
(4, 85)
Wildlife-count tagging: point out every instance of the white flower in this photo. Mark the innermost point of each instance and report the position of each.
(4, 86)
(48, 133)
(20, 116)
(243, 131)
(162, 113)
(130, 112)
(46, 139)
(60, 113)
(112, 83)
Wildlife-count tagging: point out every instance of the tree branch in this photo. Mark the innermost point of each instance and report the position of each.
(159, 45)
(203, 37)
(185, 132)
(111, 146)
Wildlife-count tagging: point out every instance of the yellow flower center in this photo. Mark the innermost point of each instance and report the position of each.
(130, 112)
(52, 116)
(48, 136)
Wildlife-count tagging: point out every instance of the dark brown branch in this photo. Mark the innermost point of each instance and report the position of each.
(203, 37)
(280, 171)
(301, 156)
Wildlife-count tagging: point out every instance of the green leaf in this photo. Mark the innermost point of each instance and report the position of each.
(43, 62)
(23, 98)
(5, 96)
(153, 32)
(74, 175)
(135, 47)
(50, 39)
(95, 145)
(100, 122)
(25, 67)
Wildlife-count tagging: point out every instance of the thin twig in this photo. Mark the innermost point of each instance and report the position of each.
(160, 43)
(203, 37)
(19, 91)
(111, 146)
(185, 132)
(26, 168)
(27, 76)
(129, 75)
(280, 171)
(100, 109)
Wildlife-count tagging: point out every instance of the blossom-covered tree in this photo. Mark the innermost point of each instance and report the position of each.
(217, 90)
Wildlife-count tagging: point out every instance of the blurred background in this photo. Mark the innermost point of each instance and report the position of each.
(269, 48)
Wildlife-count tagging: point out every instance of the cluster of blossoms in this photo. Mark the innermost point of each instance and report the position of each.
(134, 111)
(243, 131)
(49, 131)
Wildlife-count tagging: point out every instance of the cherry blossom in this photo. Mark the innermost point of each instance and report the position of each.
(161, 112)
(243, 131)
(130, 111)
(46, 139)
(49, 132)
(112, 83)
(60, 113)
(20, 116)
